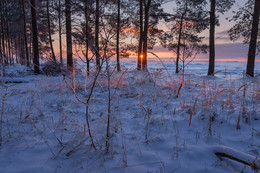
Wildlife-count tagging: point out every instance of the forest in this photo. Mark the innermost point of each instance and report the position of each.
(85, 86)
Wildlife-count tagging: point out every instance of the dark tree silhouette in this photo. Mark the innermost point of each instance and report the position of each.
(253, 40)
(185, 26)
(220, 6)
(49, 31)
(139, 58)
(25, 34)
(60, 26)
(68, 35)
(245, 29)
(35, 38)
(97, 35)
(211, 68)
(243, 19)
(118, 35)
(145, 35)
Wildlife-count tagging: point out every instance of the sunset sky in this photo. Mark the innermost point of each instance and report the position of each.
(226, 50)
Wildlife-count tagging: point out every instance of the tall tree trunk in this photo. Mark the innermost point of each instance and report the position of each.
(6, 40)
(179, 45)
(21, 46)
(1, 53)
(60, 38)
(8, 43)
(3, 43)
(12, 51)
(49, 31)
(31, 48)
(25, 35)
(2, 38)
(212, 38)
(253, 40)
(3, 35)
(68, 35)
(16, 50)
(6, 36)
(139, 58)
(87, 36)
(2, 5)
(35, 39)
(117, 36)
(179, 38)
(145, 35)
(96, 35)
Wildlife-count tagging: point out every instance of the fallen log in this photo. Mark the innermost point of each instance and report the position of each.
(13, 81)
(230, 153)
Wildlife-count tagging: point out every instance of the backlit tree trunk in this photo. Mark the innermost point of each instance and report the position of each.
(49, 30)
(179, 45)
(179, 39)
(60, 38)
(35, 38)
(253, 40)
(117, 36)
(87, 36)
(3, 35)
(96, 35)
(139, 60)
(145, 35)
(212, 38)
(25, 35)
(68, 35)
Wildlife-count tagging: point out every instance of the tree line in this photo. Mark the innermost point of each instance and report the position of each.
(119, 28)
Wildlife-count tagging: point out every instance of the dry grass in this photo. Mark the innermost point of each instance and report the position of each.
(64, 124)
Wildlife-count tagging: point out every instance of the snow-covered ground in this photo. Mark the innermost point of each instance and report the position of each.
(44, 127)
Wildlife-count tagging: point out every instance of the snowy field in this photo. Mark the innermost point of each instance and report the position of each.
(153, 127)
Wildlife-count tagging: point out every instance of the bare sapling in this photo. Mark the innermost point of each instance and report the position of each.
(107, 36)
(79, 50)
(184, 59)
(87, 102)
(110, 98)
(89, 97)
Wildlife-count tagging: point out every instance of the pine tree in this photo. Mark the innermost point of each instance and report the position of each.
(216, 6)
(118, 35)
(68, 35)
(253, 40)
(97, 35)
(185, 26)
(246, 27)
(35, 38)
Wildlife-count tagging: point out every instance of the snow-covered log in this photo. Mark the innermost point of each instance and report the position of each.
(13, 81)
(230, 153)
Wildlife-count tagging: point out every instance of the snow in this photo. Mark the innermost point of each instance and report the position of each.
(43, 122)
